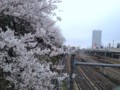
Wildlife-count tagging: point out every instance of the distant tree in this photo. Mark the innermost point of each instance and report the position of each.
(28, 39)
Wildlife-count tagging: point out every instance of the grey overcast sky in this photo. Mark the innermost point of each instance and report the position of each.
(81, 17)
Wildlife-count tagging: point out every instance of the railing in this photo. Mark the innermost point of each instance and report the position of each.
(95, 64)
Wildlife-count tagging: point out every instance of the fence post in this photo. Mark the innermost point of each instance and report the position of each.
(72, 71)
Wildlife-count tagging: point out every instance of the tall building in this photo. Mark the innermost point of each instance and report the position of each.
(96, 38)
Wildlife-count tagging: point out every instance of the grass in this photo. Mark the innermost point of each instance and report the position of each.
(64, 85)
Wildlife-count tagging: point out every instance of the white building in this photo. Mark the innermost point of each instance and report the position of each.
(96, 38)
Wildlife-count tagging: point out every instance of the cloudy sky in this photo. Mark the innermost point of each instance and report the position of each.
(81, 17)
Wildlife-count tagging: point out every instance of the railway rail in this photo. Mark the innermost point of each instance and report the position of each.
(101, 81)
(88, 78)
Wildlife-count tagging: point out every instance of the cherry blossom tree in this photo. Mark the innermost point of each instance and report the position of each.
(28, 38)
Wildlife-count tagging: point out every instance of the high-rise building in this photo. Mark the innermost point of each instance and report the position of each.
(96, 38)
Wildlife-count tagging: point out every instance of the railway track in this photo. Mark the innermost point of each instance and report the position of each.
(107, 60)
(81, 84)
(78, 87)
(112, 72)
(93, 80)
(88, 78)
(99, 81)
(67, 64)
